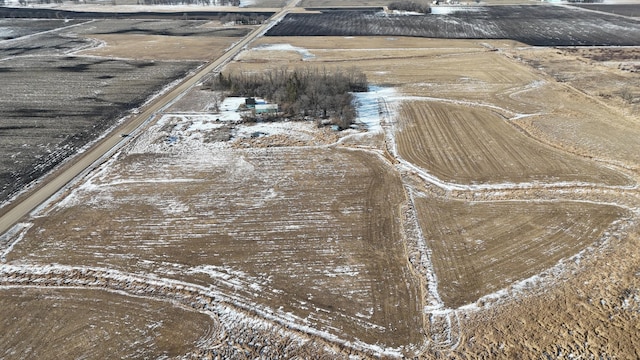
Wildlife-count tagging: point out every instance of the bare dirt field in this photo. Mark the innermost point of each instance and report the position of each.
(536, 25)
(488, 211)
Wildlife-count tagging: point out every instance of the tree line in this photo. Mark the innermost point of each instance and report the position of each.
(190, 2)
(410, 6)
(300, 93)
(241, 19)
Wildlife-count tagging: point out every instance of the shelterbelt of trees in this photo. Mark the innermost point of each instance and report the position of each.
(300, 93)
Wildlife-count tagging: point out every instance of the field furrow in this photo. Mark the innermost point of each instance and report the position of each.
(467, 145)
(479, 248)
(311, 232)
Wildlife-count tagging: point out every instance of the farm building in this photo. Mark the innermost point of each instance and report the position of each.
(251, 102)
(266, 108)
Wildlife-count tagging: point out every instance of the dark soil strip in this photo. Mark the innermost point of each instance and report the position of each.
(537, 25)
(62, 14)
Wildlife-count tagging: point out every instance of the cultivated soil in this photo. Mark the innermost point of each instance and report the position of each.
(106, 68)
(482, 208)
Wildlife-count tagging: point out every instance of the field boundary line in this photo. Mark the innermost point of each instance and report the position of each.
(46, 31)
(191, 295)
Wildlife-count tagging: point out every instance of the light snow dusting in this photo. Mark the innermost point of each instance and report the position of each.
(369, 105)
(446, 10)
(306, 54)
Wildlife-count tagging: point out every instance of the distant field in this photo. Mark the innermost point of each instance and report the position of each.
(154, 40)
(632, 10)
(338, 3)
(533, 25)
(13, 28)
(161, 47)
(54, 101)
(301, 241)
(136, 12)
(577, 124)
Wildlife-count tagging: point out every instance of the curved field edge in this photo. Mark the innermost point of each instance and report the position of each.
(50, 323)
(231, 331)
(311, 233)
(467, 145)
(481, 247)
(593, 311)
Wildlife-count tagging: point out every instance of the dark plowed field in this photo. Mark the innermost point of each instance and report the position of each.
(31, 13)
(53, 103)
(52, 106)
(12, 28)
(539, 25)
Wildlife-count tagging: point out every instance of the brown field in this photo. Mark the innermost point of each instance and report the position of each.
(453, 69)
(462, 144)
(70, 323)
(479, 248)
(578, 123)
(314, 233)
(592, 311)
(177, 40)
(158, 47)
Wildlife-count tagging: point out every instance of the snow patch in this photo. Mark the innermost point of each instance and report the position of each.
(5, 32)
(406, 13)
(446, 10)
(368, 106)
(342, 271)
(306, 54)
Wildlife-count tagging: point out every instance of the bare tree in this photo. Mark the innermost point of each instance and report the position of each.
(301, 92)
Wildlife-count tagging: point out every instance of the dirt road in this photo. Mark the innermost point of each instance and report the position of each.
(58, 180)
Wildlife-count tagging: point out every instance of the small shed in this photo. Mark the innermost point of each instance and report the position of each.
(266, 108)
(250, 103)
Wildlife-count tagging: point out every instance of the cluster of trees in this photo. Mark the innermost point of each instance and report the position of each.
(410, 6)
(302, 92)
(190, 2)
(40, 2)
(240, 19)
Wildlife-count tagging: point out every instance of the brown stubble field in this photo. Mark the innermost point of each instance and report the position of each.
(313, 233)
(482, 247)
(70, 323)
(462, 144)
(373, 240)
(587, 127)
(153, 40)
(468, 85)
